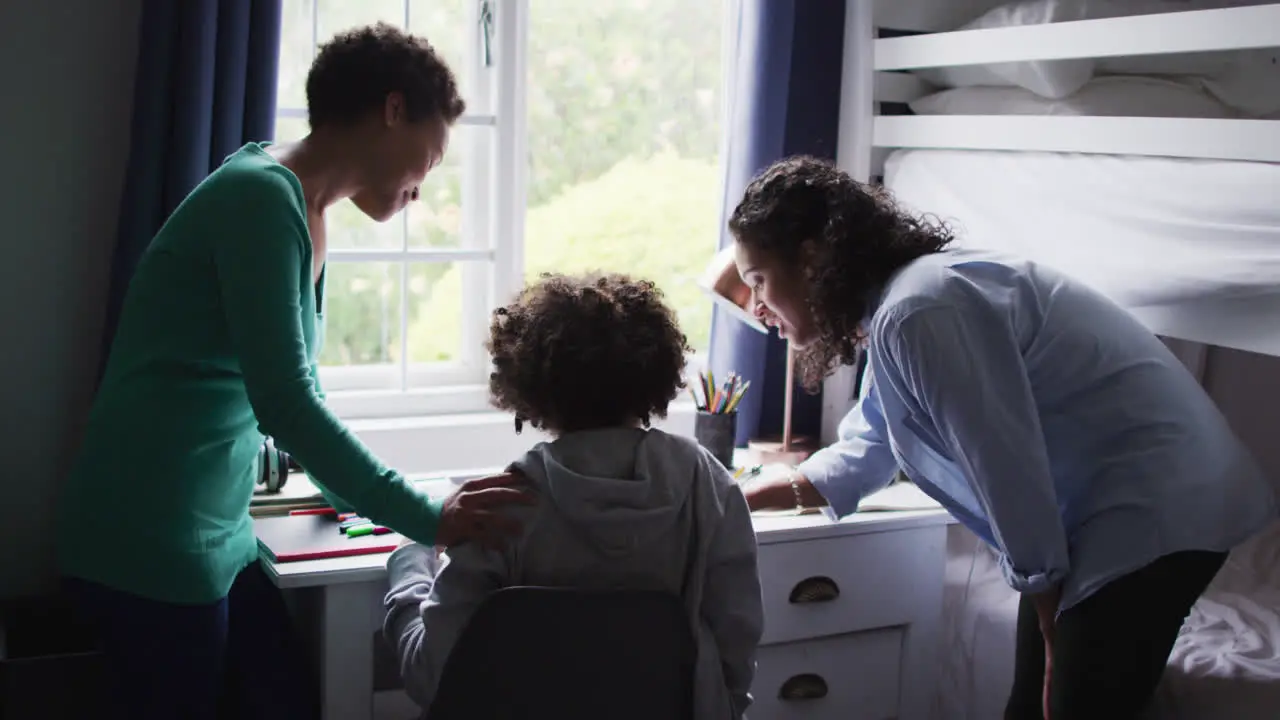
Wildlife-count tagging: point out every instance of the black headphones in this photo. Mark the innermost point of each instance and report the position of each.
(274, 466)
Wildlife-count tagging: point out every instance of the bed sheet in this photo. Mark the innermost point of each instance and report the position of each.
(1192, 247)
(979, 618)
(1225, 664)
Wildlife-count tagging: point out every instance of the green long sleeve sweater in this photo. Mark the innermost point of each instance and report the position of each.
(216, 348)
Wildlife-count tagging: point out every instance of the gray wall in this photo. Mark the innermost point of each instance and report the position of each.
(66, 74)
(1247, 388)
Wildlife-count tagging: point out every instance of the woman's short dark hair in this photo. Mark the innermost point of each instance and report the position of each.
(588, 351)
(354, 73)
(857, 237)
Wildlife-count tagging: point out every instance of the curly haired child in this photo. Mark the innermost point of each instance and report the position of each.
(620, 504)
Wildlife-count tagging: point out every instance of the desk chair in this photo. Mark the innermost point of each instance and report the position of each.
(538, 653)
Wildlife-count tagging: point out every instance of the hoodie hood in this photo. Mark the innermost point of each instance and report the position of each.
(620, 487)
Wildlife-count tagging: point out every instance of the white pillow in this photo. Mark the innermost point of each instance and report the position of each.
(1109, 96)
(1059, 78)
(1054, 79)
(1251, 84)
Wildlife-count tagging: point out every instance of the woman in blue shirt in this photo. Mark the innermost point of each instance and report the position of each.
(1044, 417)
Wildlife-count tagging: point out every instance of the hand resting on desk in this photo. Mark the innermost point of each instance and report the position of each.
(773, 491)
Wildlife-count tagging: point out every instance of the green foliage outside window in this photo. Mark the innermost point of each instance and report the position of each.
(624, 104)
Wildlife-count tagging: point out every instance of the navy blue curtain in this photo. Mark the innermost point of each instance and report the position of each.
(205, 86)
(784, 100)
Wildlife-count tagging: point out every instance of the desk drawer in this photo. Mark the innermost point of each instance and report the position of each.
(852, 677)
(815, 588)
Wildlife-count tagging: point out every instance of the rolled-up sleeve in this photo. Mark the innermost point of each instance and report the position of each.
(963, 368)
(859, 463)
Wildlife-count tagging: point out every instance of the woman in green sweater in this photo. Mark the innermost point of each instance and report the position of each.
(216, 348)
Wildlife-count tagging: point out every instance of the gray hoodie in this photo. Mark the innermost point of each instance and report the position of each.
(618, 508)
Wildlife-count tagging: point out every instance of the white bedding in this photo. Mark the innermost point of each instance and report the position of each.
(1225, 665)
(979, 617)
(1192, 247)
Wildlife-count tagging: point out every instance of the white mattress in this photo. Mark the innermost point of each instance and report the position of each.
(1192, 247)
(1225, 665)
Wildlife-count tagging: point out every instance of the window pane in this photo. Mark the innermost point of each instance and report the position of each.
(449, 26)
(348, 228)
(296, 51)
(339, 15)
(290, 129)
(624, 135)
(362, 314)
(351, 229)
(436, 219)
(436, 311)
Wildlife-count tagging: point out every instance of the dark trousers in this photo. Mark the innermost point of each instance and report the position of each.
(1109, 650)
(234, 658)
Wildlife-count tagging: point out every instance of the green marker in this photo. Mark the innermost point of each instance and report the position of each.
(369, 529)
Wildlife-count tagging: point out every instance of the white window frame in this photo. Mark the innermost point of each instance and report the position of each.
(491, 257)
(437, 416)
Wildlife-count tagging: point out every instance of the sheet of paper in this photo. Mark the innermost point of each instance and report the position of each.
(898, 496)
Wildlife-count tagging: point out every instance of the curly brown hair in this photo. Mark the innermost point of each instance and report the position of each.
(847, 237)
(354, 73)
(583, 352)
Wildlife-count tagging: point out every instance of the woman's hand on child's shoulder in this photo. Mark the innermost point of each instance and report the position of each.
(472, 512)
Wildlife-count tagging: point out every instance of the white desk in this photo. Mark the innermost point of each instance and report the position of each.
(875, 644)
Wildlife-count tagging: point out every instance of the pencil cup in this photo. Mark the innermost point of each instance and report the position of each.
(716, 432)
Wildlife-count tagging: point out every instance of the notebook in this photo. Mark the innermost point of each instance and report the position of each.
(899, 496)
(293, 538)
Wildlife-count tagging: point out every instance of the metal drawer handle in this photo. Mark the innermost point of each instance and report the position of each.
(815, 590)
(805, 686)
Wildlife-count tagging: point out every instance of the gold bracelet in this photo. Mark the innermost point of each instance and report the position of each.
(795, 488)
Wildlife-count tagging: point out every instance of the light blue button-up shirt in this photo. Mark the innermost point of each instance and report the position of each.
(1047, 420)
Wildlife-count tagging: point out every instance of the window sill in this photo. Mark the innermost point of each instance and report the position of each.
(443, 444)
(361, 393)
(430, 449)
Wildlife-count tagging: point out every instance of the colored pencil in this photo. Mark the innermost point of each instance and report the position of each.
(718, 398)
(737, 397)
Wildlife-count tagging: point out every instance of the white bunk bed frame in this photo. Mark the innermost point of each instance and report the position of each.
(871, 75)
(869, 79)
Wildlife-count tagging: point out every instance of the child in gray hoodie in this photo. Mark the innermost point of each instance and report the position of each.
(590, 360)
